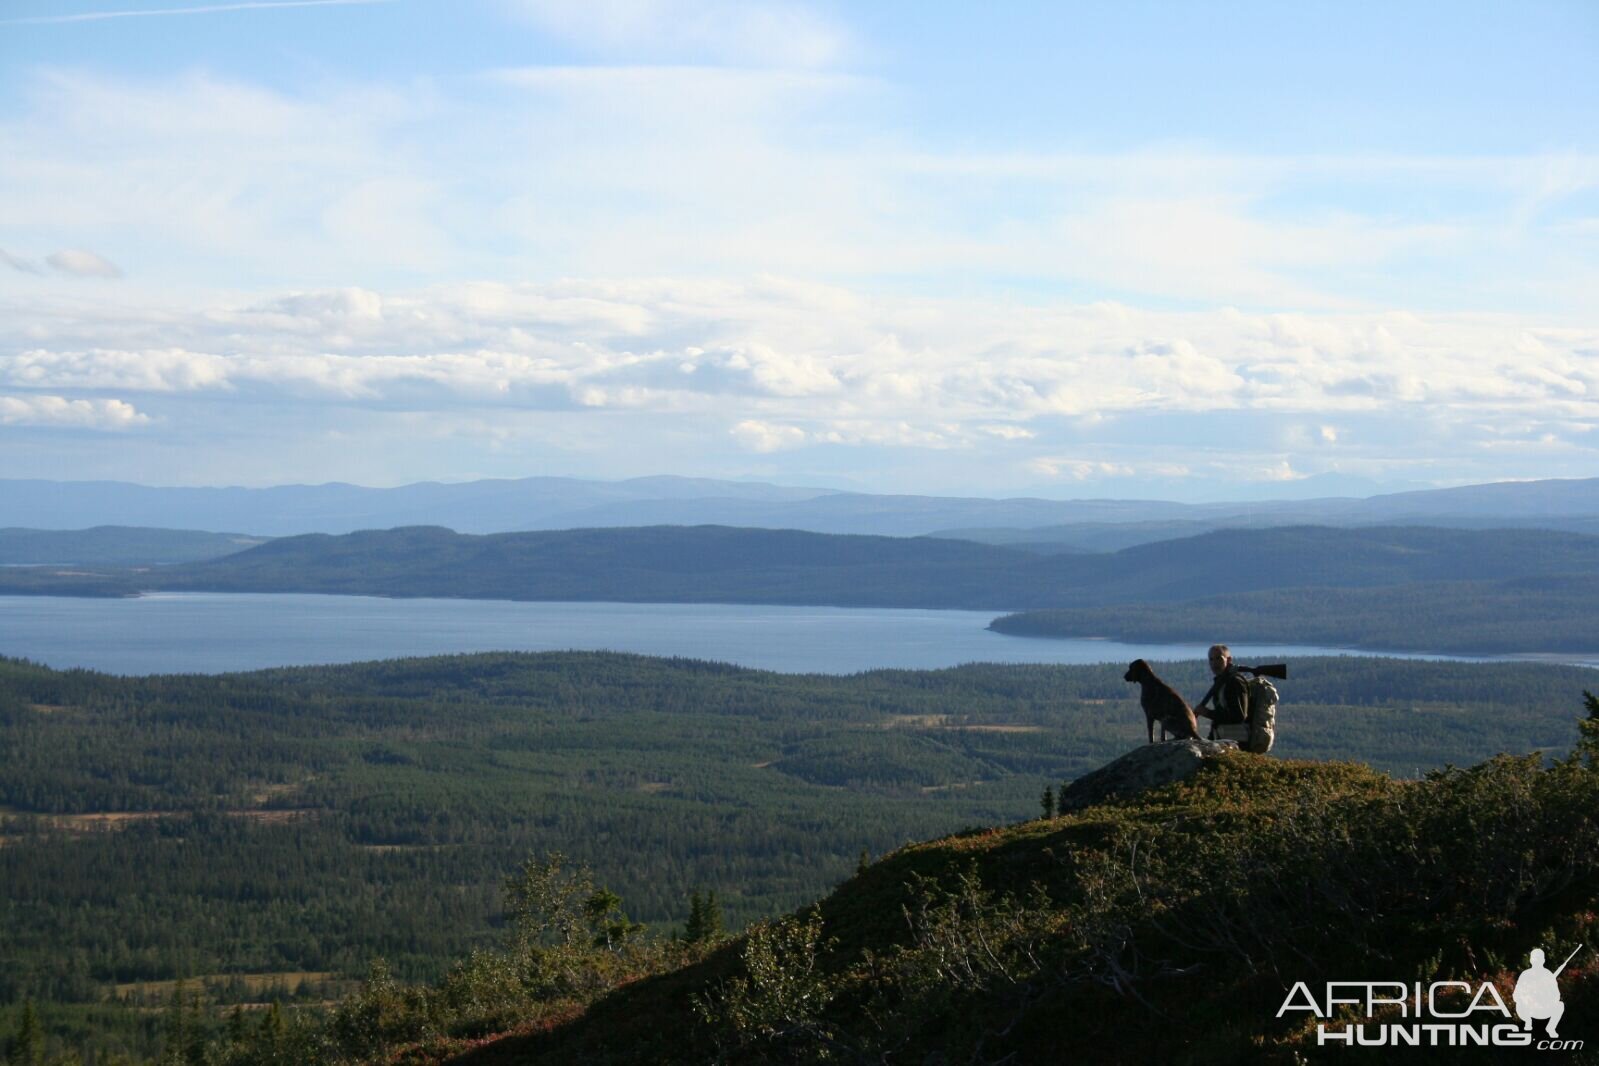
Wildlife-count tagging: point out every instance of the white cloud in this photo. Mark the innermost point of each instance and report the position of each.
(758, 436)
(69, 413)
(1007, 432)
(758, 369)
(172, 370)
(1079, 469)
(1280, 471)
(808, 355)
(894, 433)
(83, 264)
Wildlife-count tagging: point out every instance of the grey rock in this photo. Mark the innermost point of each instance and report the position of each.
(1143, 768)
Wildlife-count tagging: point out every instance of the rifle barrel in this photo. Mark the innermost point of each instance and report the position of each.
(1569, 958)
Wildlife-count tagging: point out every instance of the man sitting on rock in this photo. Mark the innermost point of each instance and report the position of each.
(1227, 702)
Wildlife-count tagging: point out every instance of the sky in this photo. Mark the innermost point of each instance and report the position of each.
(1195, 251)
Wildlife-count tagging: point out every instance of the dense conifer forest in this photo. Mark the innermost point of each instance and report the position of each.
(265, 832)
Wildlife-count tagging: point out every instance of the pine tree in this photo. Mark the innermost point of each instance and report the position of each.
(694, 928)
(195, 1044)
(608, 923)
(704, 919)
(863, 862)
(27, 1048)
(1047, 801)
(175, 1028)
(1588, 730)
(271, 1031)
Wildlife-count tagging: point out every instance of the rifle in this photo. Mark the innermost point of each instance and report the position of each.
(1277, 670)
(1569, 958)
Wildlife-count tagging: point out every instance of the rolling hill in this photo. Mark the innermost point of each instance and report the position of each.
(117, 546)
(719, 564)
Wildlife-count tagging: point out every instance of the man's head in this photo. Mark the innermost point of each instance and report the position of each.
(1536, 957)
(1220, 657)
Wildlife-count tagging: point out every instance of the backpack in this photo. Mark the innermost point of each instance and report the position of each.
(1262, 715)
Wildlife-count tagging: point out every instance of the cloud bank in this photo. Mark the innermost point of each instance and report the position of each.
(776, 368)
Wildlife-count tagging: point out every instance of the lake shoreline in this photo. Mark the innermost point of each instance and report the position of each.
(202, 632)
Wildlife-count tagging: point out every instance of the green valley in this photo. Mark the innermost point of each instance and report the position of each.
(306, 821)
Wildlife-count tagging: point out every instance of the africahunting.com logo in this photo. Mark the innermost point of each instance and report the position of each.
(1440, 1014)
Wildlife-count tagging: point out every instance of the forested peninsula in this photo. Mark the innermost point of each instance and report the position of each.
(1533, 615)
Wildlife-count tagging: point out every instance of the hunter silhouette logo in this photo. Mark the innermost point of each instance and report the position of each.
(1537, 995)
(1430, 1015)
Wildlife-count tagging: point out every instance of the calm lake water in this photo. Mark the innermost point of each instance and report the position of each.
(217, 632)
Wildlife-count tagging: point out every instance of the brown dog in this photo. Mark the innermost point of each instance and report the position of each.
(1162, 704)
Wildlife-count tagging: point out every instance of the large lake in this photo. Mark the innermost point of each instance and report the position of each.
(217, 632)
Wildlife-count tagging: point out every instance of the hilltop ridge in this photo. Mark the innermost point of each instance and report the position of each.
(1165, 926)
(1194, 906)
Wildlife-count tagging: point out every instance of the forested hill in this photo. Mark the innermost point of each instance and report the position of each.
(117, 546)
(724, 564)
(1552, 615)
(653, 563)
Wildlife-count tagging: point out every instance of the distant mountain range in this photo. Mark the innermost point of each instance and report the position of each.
(498, 506)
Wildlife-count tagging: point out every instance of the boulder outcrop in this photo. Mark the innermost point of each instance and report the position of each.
(1145, 767)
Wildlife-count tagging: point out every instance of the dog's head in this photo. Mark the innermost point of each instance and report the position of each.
(1137, 670)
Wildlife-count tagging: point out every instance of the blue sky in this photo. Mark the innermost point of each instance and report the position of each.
(1142, 249)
